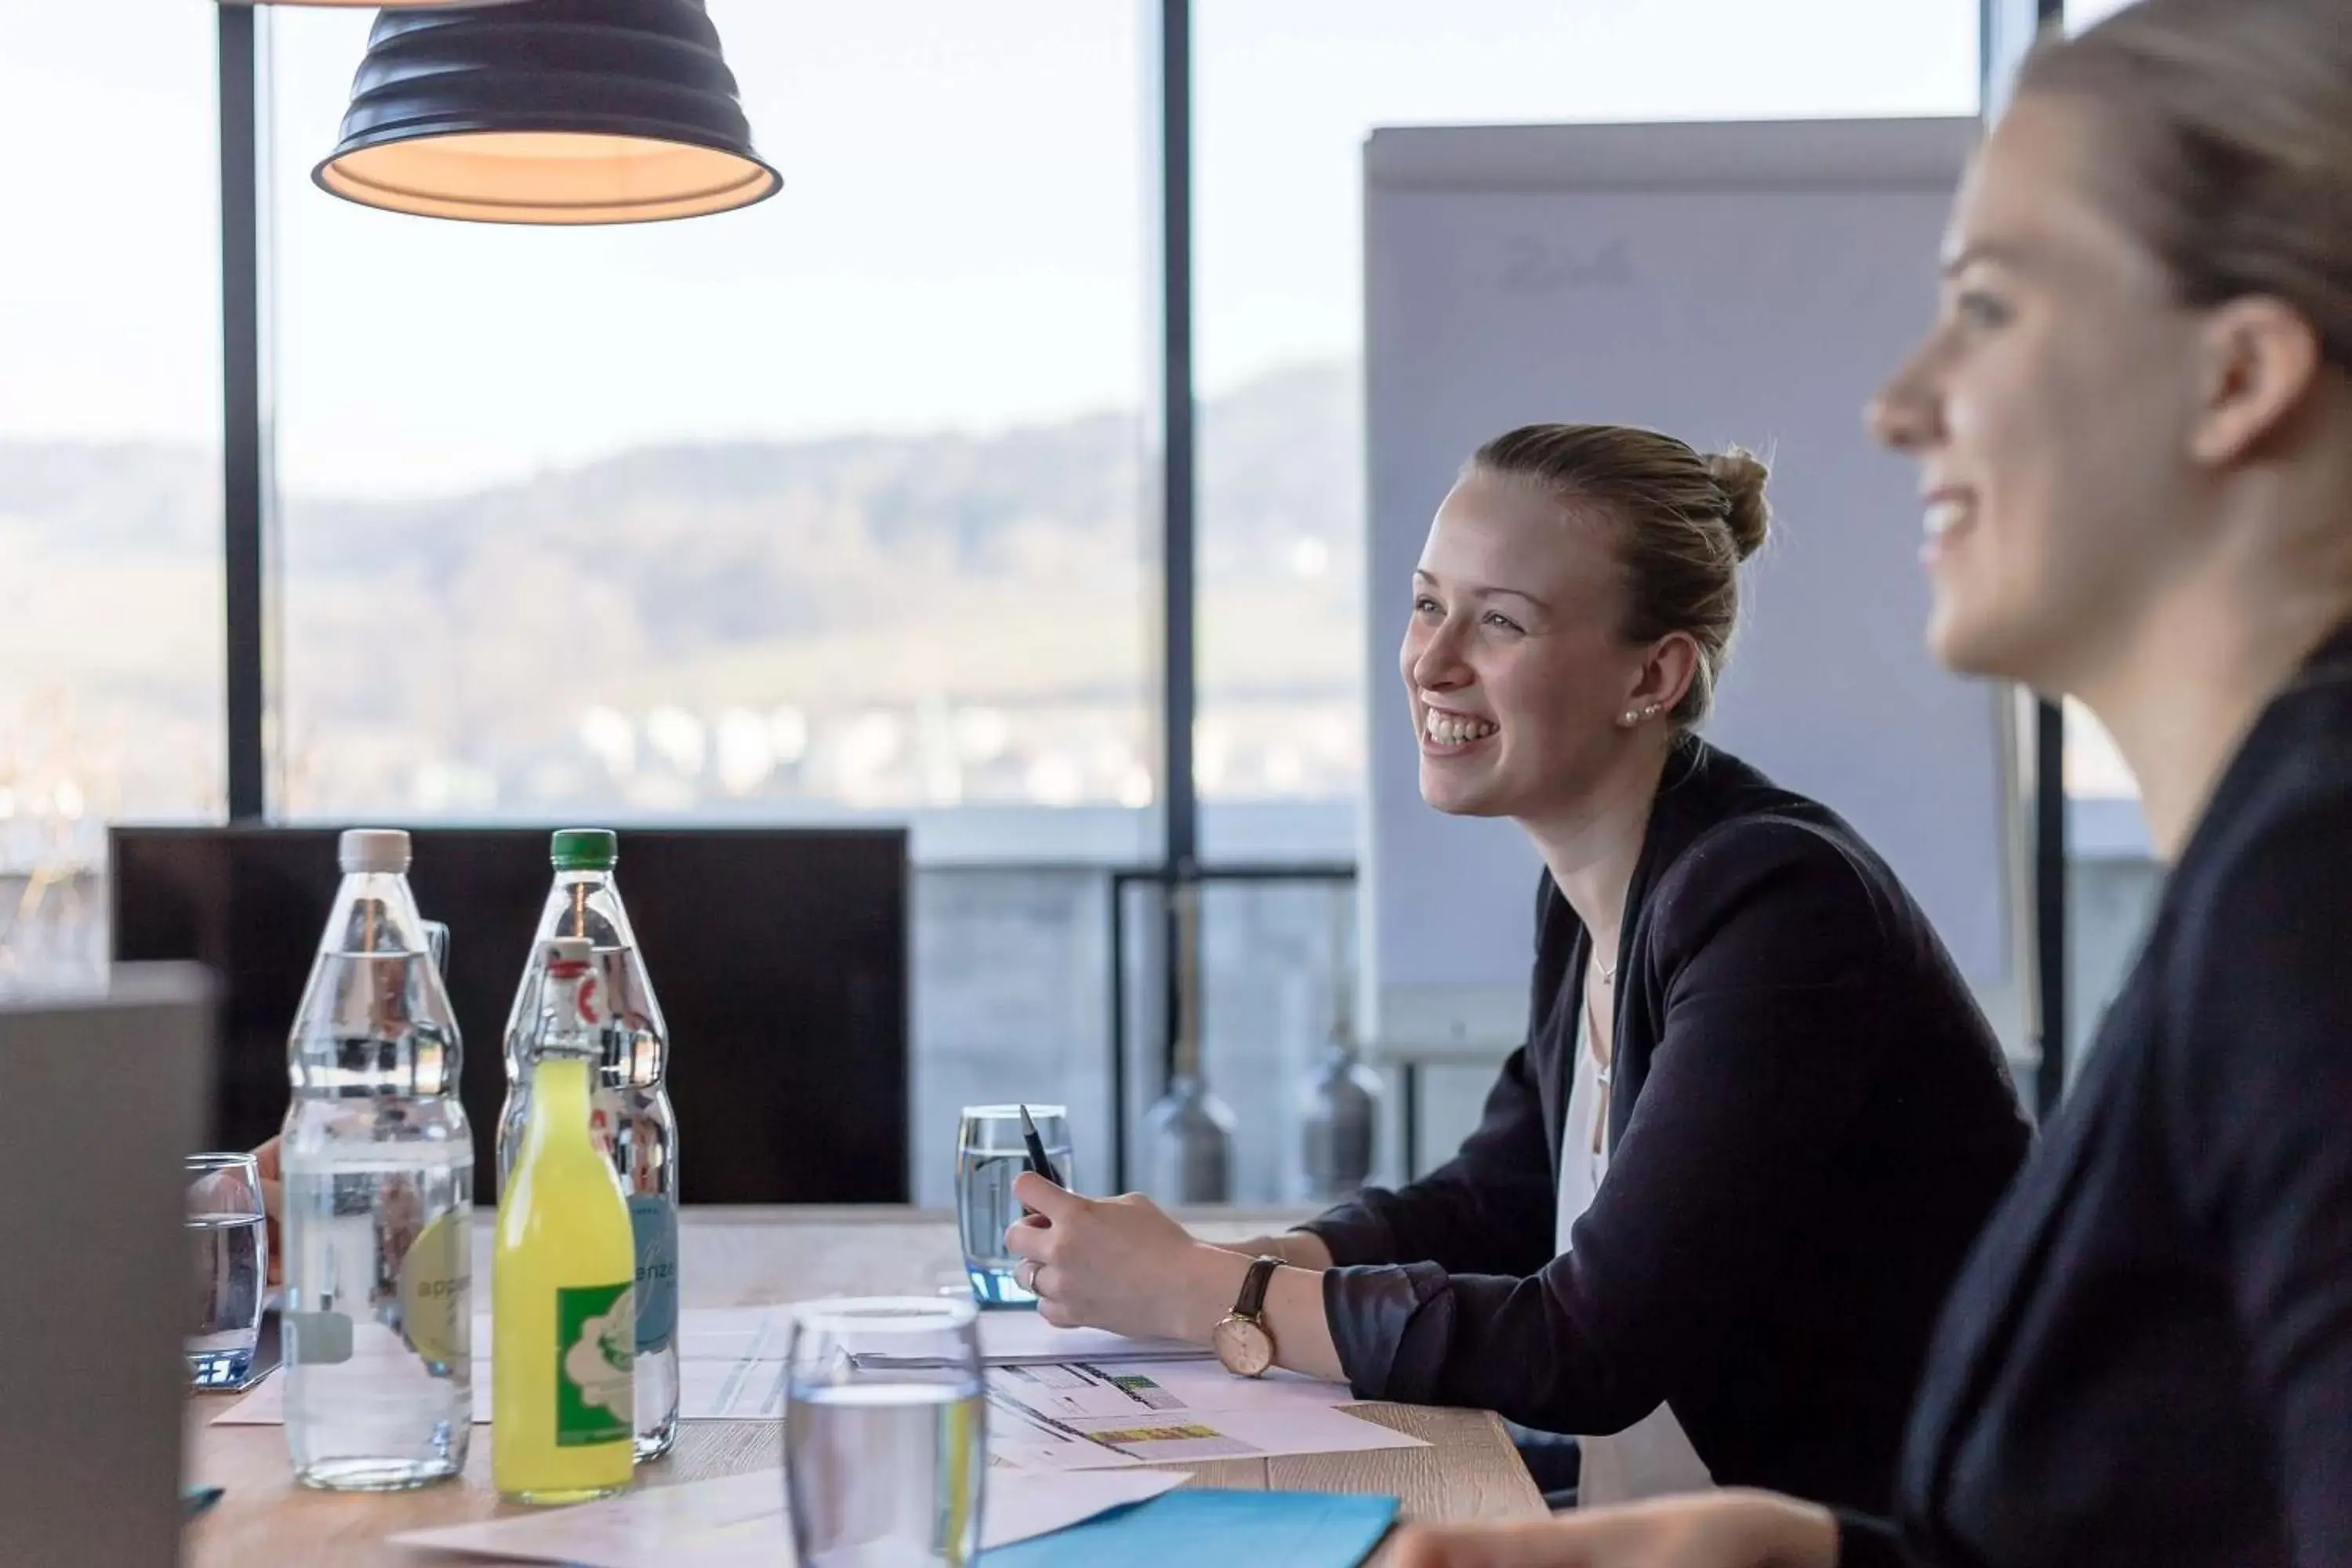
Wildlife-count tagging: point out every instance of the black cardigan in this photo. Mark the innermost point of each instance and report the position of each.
(1810, 1122)
(2148, 1358)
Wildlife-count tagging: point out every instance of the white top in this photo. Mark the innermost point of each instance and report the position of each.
(363, 849)
(1652, 1457)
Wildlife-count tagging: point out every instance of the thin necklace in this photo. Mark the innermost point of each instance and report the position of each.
(1603, 1071)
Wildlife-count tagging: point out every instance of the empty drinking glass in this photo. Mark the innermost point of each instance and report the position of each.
(990, 1152)
(229, 1232)
(886, 1434)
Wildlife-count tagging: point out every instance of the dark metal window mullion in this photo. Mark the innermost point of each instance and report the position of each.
(1181, 814)
(244, 457)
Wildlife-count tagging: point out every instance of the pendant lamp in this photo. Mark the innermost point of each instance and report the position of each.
(547, 111)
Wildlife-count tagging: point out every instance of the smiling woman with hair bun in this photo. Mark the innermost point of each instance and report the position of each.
(1716, 1197)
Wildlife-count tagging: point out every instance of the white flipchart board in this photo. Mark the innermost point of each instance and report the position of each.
(1724, 282)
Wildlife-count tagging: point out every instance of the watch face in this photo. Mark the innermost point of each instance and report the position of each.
(1242, 1347)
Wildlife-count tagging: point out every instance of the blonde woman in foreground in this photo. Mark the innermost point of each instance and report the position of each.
(2134, 426)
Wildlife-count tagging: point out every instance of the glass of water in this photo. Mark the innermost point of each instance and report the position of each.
(886, 1434)
(228, 1235)
(991, 1152)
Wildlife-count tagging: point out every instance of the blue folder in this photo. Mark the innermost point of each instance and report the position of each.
(1186, 1529)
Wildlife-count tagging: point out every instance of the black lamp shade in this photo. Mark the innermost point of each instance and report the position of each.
(548, 112)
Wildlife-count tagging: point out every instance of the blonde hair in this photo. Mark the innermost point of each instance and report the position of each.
(2232, 125)
(1684, 523)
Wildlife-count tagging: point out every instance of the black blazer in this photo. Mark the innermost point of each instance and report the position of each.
(1810, 1122)
(2148, 1358)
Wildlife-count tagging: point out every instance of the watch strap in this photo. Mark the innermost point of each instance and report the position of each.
(1251, 1303)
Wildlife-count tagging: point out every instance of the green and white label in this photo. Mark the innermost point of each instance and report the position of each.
(595, 1364)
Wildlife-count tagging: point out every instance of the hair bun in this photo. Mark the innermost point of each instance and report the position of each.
(1740, 474)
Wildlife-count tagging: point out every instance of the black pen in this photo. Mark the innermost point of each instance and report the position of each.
(1037, 1160)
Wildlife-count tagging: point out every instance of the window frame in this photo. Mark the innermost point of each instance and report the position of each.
(248, 473)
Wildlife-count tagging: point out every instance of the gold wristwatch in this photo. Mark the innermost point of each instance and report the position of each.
(1244, 1346)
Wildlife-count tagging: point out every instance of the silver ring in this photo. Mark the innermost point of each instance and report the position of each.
(1026, 1275)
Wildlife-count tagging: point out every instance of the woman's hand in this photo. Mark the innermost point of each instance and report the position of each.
(1119, 1264)
(1708, 1530)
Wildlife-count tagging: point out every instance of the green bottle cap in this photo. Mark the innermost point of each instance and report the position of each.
(585, 849)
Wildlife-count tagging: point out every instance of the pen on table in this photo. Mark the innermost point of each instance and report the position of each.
(1037, 1159)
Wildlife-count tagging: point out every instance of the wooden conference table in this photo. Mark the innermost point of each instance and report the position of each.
(751, 1256)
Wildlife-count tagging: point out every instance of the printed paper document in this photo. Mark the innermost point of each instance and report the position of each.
(741, 1521)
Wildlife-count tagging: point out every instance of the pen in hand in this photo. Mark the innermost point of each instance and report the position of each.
(1037, 1161)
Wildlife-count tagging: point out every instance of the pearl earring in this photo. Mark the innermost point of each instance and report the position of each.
(1651, 711)
(1631, 719)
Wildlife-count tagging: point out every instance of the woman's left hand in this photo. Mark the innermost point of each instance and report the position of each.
(1119, 1264)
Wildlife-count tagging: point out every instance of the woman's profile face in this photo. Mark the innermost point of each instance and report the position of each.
(1512, 660)
(2048, 411)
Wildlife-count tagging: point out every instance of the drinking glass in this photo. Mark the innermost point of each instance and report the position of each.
(991, 1152)
(228, 1231)
(886, 1433)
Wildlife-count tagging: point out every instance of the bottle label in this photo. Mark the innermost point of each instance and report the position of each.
(654, 1218)
(437, 1277)
(595, 1365)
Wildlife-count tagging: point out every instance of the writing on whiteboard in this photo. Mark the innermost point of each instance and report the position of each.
(1535, 265)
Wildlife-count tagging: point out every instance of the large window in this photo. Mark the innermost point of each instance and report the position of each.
(835, 501)
(838, 504)
(110, 646)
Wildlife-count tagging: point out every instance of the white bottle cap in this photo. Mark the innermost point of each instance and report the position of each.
(571, 949)
(373, 849)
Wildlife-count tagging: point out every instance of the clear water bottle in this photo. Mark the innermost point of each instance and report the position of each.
(378, 1165)
(632, 1112)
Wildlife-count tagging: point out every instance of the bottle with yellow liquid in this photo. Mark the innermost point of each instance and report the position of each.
(564, 1320)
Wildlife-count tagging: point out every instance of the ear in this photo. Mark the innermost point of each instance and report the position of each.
(2261, 358)
(1666, 672)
